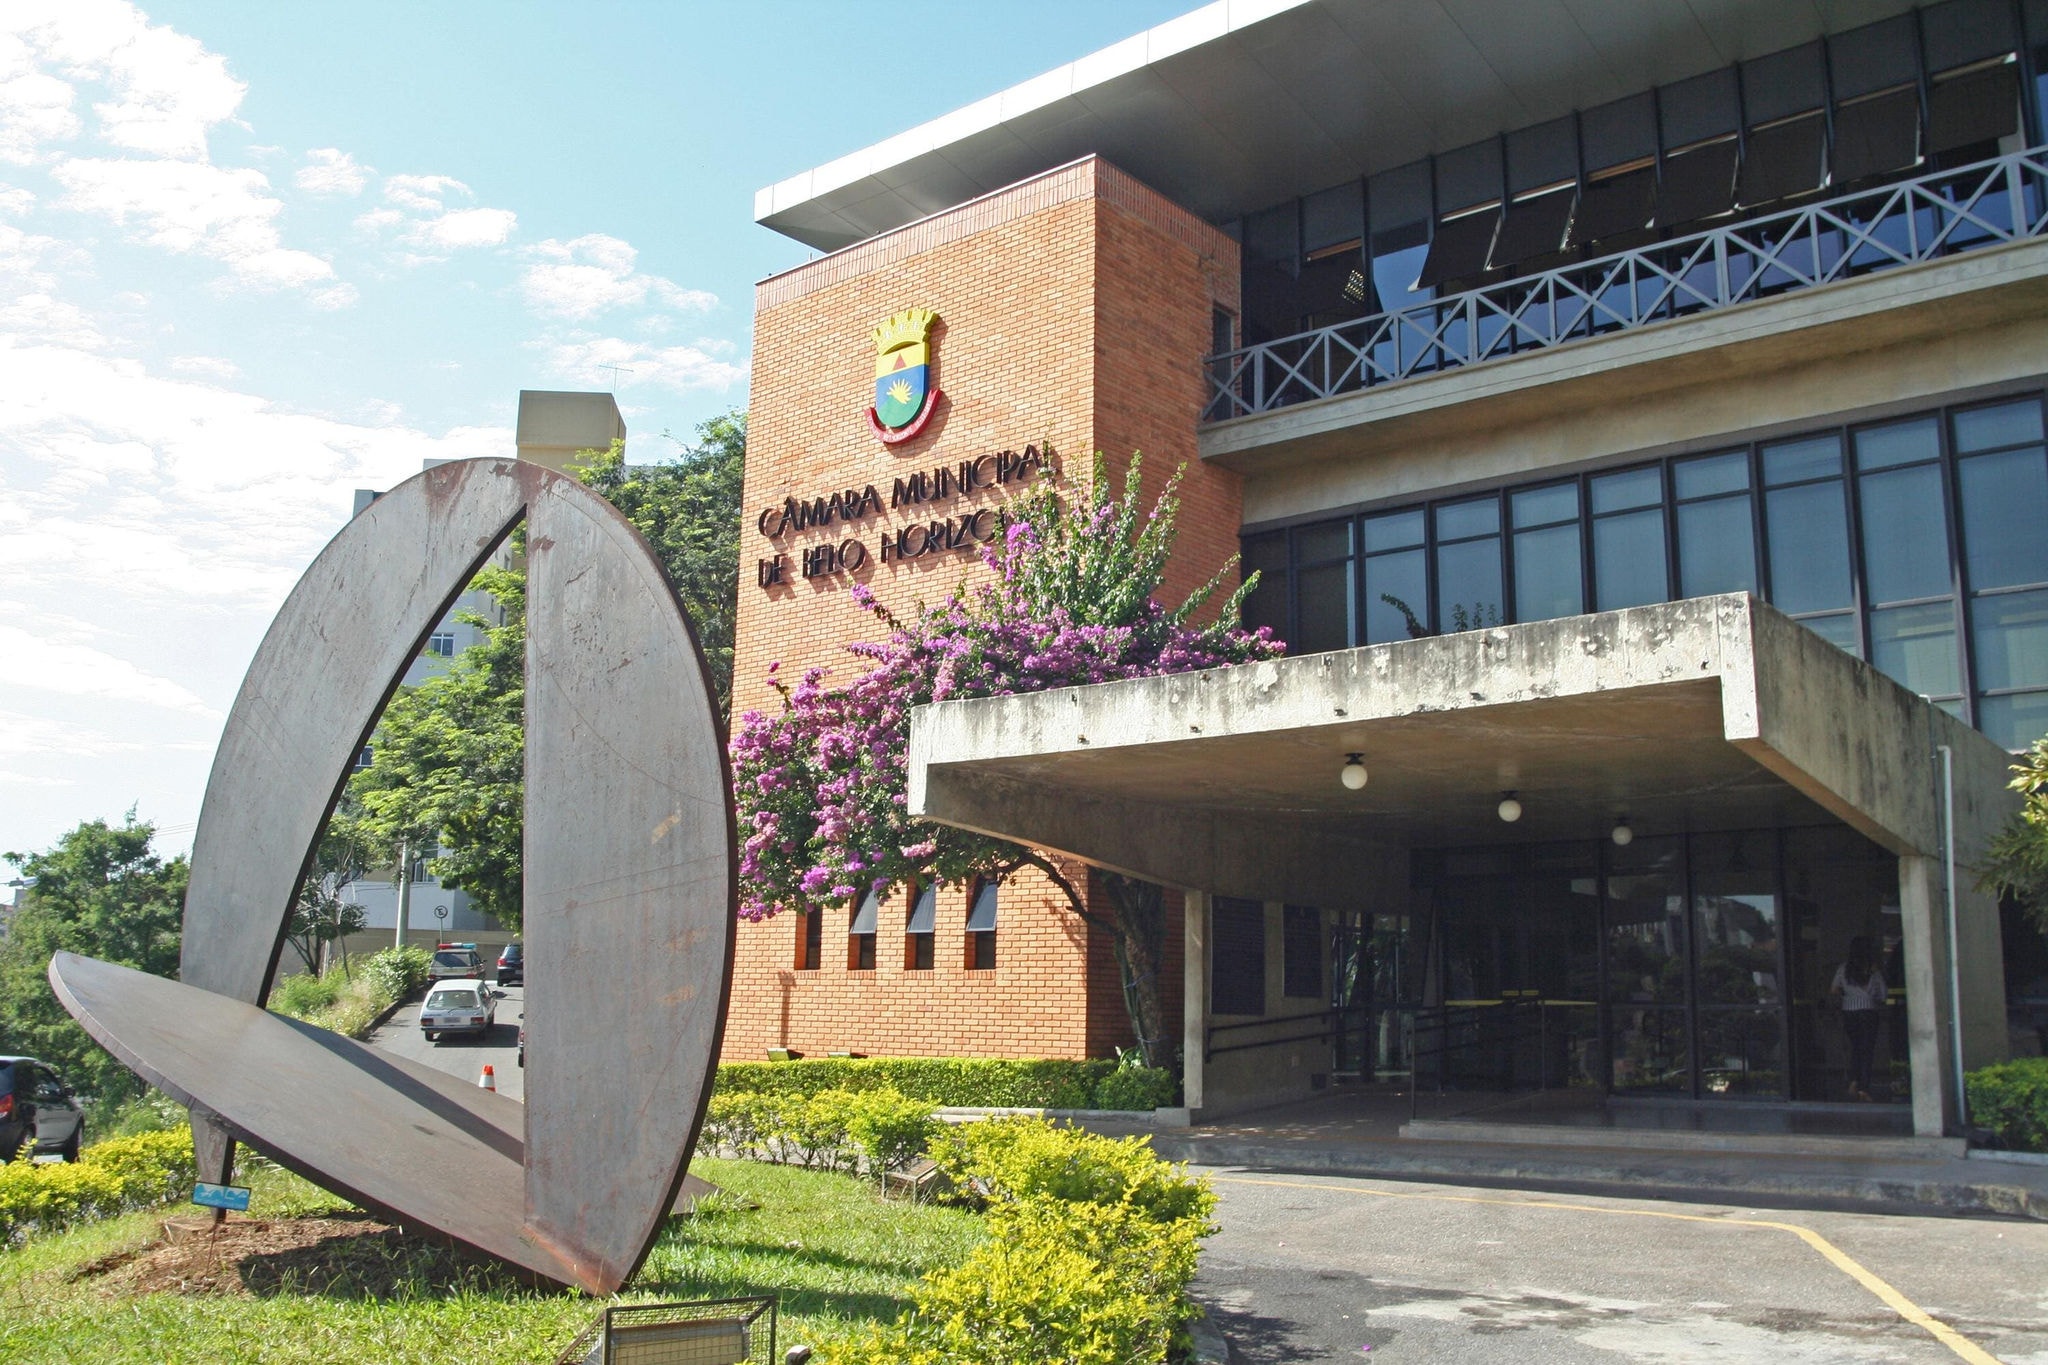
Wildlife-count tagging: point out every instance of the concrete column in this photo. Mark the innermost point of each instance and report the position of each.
(1927, 1013)
(1195, 996)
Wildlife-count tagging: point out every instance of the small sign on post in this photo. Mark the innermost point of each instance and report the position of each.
(234, 1197)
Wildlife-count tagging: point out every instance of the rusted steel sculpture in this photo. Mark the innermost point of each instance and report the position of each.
(629, 881)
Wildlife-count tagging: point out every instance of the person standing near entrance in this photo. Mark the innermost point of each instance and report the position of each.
(1859, 990)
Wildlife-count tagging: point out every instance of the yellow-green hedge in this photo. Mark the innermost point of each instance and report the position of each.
(112, 1177)
(967, 1082)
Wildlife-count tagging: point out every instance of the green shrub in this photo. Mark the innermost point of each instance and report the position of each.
(351, 1003)
(888, 1130)
(112, 1177)
(964, 1082)
(1092, 1245)
(2011, 1099)
(301, 996)
(397, 972)
(1025, 1158)
(878, 1130)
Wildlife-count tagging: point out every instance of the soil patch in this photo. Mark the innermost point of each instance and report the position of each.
(349, 1256)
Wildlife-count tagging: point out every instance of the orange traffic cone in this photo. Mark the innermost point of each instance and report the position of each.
(489, 1080)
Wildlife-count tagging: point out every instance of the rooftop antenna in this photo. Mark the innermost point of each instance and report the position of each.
(616, 370)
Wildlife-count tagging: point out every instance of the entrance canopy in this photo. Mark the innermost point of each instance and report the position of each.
(1705, 714)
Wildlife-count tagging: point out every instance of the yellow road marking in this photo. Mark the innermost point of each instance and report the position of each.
(1841, 1260)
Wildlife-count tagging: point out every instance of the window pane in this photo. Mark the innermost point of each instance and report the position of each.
(1905, 538)
(1711, 474)
(1631, 488)
(1628, 560)
(1809, 540)
(1393, 530)
(1325, 610)
(1917, 647)
(1468, 585)
(1541, 506)
(2005, 507)
(2014, 722)
(981, 916)
(1646, 923)
(1796, 461)
(1329, 540)
(1457, 519)
(2008, 424)
(1301, 952)
(1547, 574)
(1735, 917)
(1839, 631)
(1402, 576)
(1237, 961)
(2011, 631)
(1902, 443)
(1716, 547)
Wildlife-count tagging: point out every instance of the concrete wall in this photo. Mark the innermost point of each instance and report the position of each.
(555, 426)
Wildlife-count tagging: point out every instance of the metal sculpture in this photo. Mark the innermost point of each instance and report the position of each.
(629, 883)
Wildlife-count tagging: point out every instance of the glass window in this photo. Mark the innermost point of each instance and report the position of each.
(2011, 634)
(1710, 474)
(1716, 547)
(2014, 721)
(1301, 959)
(1324, 609)
(812, 944)
(1403, 576)
(1735, 917)
(923, 912)
(1332, 216)
(1456, 520)
(2008, 424)
(1237, 956)
(1838, 630)
(1646, 923)
(1327, 540)
(1393, 531)
(1900, 443)
(1628, 560)
(1629, 489)
(1808, 534)
(1546, 506)
(1468, 585)
(1267, 603)
(1549, 579)
(1905, 534)
(981, 929)
(2005, 510)
(1916, 647)
(1815, 457)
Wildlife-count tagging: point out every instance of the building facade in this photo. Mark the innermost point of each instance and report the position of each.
(1636, 423)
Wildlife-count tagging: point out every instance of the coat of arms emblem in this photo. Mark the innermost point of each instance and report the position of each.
(904, 397)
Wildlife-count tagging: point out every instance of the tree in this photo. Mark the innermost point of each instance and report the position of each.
(103, 893)
(2016, 863)
(821, 785)
(689, 510)
(319, 915)
(448, 766)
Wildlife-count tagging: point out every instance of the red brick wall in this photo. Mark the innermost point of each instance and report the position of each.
(1074, 309)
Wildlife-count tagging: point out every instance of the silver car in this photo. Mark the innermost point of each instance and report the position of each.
(459, 1007)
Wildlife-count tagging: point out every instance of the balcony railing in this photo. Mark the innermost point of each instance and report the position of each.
(1903, 223)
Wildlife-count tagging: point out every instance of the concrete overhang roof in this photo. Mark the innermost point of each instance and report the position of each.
(1243, 103)
(1710, 713)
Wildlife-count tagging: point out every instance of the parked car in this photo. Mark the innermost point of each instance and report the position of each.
(512, 965)
(457, 1006)
(522, 1040)
(455, 961)
(37, 1106)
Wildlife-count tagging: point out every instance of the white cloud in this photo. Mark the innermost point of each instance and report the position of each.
(190, 207)
(423, 193)
(25, 734)
(15, 202)
(27, 660)
(587, 275)
(165, 90)
(465, 228)
(206, 366)
(376, 220)
(588, 361)
(329, 170)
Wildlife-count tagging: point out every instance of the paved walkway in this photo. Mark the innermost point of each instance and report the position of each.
(1356, 1133)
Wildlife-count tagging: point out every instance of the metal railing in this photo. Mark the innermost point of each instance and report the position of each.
(1320, 1026)
(2001, 200)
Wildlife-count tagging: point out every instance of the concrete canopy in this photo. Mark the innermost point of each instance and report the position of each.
(1243, 103)
(1710, 713)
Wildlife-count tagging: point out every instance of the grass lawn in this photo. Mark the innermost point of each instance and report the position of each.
(832, 1249)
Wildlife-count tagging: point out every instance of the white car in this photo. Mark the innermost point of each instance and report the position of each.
(458, 1007)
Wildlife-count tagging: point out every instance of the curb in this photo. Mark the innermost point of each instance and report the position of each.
(1211, 1347)
(1510, 1170)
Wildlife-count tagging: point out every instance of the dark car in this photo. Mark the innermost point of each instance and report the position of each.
(37, 1106)
(512, 965)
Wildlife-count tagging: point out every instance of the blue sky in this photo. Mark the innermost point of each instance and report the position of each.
(254, 256)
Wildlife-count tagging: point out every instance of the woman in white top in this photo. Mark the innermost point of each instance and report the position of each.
(1859, 989)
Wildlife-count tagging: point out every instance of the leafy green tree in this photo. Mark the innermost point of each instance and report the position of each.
(448, 768)
(319, 914)
(101, 892)
(2016, 864)
(689, 510)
